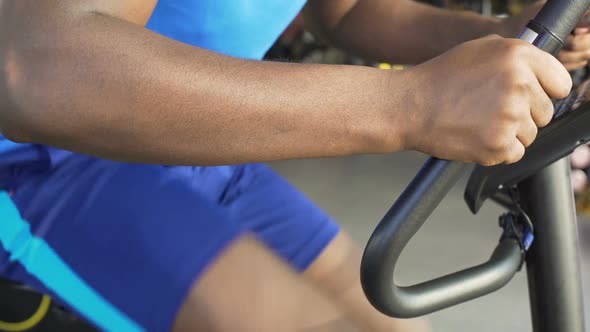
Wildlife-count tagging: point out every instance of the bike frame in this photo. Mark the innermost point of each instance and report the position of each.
(553, 266)
(538, 195)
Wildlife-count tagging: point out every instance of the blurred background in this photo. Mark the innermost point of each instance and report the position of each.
(358, 190)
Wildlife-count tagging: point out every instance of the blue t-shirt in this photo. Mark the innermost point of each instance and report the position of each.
(242, 28)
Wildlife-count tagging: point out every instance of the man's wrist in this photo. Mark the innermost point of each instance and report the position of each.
(512, 26)
(391, 123)
(508, 27)
(405, 92)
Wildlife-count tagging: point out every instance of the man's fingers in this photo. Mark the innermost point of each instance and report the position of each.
(581, 157)
(527, 132)
(516, 152)
(576, 51)
(579, 180)
(574, 56)
(575, 65)
(551, 74)
(542, 108)
(579, 42)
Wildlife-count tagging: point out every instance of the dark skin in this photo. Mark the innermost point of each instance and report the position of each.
(394, 35)
(237, 109)
(409, 32)
(72, 80)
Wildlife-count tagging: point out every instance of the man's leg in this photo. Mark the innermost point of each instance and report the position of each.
(250, 289)
(309, 240)
(135, 247)
(336, 273)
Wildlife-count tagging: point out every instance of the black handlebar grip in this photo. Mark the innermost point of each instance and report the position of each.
(554, 22)
(560, 17)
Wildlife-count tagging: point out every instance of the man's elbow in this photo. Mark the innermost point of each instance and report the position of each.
(13, 123)
(15, 134)
(12, 118)
(24, 98)
(25, 89)
(13, 96)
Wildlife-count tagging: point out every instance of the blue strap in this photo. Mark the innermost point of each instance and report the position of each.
(40, 260)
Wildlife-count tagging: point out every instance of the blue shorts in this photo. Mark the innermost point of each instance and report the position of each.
(122, 244)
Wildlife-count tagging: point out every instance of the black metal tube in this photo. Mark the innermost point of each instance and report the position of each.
(554, 22)
(555, 287)
(560, 17)
(398, 226)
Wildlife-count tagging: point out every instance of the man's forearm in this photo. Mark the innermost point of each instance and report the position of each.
(397, 31)
(103, 86)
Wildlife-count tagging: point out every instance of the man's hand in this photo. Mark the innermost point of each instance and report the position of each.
(484, 100)
(576, 51)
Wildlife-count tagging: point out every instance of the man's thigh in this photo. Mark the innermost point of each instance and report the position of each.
(121, 244)
(250, 289)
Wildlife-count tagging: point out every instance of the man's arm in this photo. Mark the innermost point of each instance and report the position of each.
(399, 31)
(87, 76)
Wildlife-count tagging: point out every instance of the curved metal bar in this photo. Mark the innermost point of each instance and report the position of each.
(398, 226)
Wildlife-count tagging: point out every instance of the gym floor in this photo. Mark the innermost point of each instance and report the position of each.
(358, 190)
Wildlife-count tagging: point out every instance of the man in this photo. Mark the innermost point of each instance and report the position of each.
(231, 248)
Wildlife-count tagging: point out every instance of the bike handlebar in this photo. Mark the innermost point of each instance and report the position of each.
(398, 226)
(547, 30)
